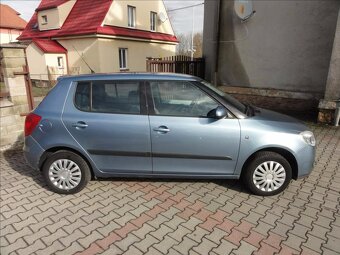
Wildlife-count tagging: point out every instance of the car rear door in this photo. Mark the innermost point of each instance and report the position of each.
(184, 140)
(108, 120)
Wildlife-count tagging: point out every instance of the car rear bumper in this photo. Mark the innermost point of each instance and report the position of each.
(32, 152)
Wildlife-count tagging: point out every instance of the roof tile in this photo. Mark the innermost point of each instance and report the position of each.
(86, 17)
(49, 46)
(9, 18)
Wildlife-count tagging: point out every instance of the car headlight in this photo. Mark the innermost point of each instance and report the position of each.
(308, 137)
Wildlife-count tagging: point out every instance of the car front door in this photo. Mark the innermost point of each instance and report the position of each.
(184, 140)
(108, 120)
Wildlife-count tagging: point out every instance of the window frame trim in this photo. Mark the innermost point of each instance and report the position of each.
(142, 97)
(151, 106)
(134, 16)
(155, 21)
(43, 22)
(62, 62)
(125, 50)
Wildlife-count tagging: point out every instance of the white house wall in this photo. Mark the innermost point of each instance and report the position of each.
(118, 15)
(36, 63)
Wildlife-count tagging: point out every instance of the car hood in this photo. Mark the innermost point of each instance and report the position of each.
(278, 121)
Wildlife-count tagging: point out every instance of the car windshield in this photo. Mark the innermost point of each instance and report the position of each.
(230, 100)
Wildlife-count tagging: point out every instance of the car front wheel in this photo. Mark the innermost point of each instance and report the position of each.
(66, 172)
(267, 174)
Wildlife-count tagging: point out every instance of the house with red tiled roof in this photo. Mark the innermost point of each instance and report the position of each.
(11, 24)
(100, 36)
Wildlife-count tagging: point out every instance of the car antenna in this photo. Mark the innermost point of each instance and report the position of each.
(82, 58)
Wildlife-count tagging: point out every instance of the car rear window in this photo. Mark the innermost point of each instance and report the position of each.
(108, 97)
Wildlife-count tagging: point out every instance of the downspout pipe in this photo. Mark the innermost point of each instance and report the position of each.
(218, 35)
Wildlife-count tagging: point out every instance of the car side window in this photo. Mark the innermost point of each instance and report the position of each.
(179, 98)
(108, 97)
(82, 97)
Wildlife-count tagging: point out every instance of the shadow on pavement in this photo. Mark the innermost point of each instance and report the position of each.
(15, 159)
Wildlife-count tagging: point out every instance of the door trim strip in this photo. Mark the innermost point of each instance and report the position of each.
(155, 155)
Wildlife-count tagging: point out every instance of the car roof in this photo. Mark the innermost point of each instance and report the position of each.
(131, 76)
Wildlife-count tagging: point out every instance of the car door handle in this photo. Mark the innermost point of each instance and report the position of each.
(162, 129)
(80, 124)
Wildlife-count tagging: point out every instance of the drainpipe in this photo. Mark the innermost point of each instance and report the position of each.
(68, 68)
(218, 35)
(28, 84)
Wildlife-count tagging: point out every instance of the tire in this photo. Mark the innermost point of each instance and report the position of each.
(65, 172)
(267, 174)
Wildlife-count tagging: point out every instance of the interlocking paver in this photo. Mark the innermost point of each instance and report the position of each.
(165, 244)
(185, 245)
(30, 239)
(52, 249)
(37, 245)
(71, 238)
(245, 249)
(172, 217)
(148, 241)
(126, 242)
(205, 246)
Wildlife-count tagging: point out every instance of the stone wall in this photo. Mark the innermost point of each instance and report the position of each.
(16, 103)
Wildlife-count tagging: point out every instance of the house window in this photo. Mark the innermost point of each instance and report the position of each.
(44, 19)
(60, 62)
(123, 58)
(131, 16)
(153, 21)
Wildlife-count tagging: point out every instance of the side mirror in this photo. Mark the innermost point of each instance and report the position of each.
(218, 113)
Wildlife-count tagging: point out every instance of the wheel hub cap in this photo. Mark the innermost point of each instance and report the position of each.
(269, 176)
(64, 174)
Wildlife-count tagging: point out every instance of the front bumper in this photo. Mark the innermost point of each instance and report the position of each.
(32, 152)
(305, 160)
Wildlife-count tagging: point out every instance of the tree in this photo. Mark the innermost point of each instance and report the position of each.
(198, 44)
(184, 46)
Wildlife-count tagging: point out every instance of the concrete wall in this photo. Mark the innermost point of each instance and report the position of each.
(333, 81)
(286, 46)
(328, 104)
(118, 15)
(11, 123)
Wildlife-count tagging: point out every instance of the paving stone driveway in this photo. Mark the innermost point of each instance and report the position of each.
(173, 217)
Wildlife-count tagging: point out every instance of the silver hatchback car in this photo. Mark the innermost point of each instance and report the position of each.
(161, 125)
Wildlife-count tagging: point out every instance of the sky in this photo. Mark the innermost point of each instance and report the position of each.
(181, 19)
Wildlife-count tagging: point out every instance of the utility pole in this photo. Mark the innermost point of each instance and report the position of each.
(192, 33)
(193, 25)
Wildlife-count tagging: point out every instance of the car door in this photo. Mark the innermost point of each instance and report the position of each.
(108, 120)
(184, 140)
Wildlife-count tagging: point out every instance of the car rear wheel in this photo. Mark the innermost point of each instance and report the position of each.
(267, 174)
(66, 172)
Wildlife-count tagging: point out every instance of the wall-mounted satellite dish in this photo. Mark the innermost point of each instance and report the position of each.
(244, 9)
(162, 17)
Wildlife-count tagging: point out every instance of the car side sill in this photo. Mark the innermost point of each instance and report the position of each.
(167, 175)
